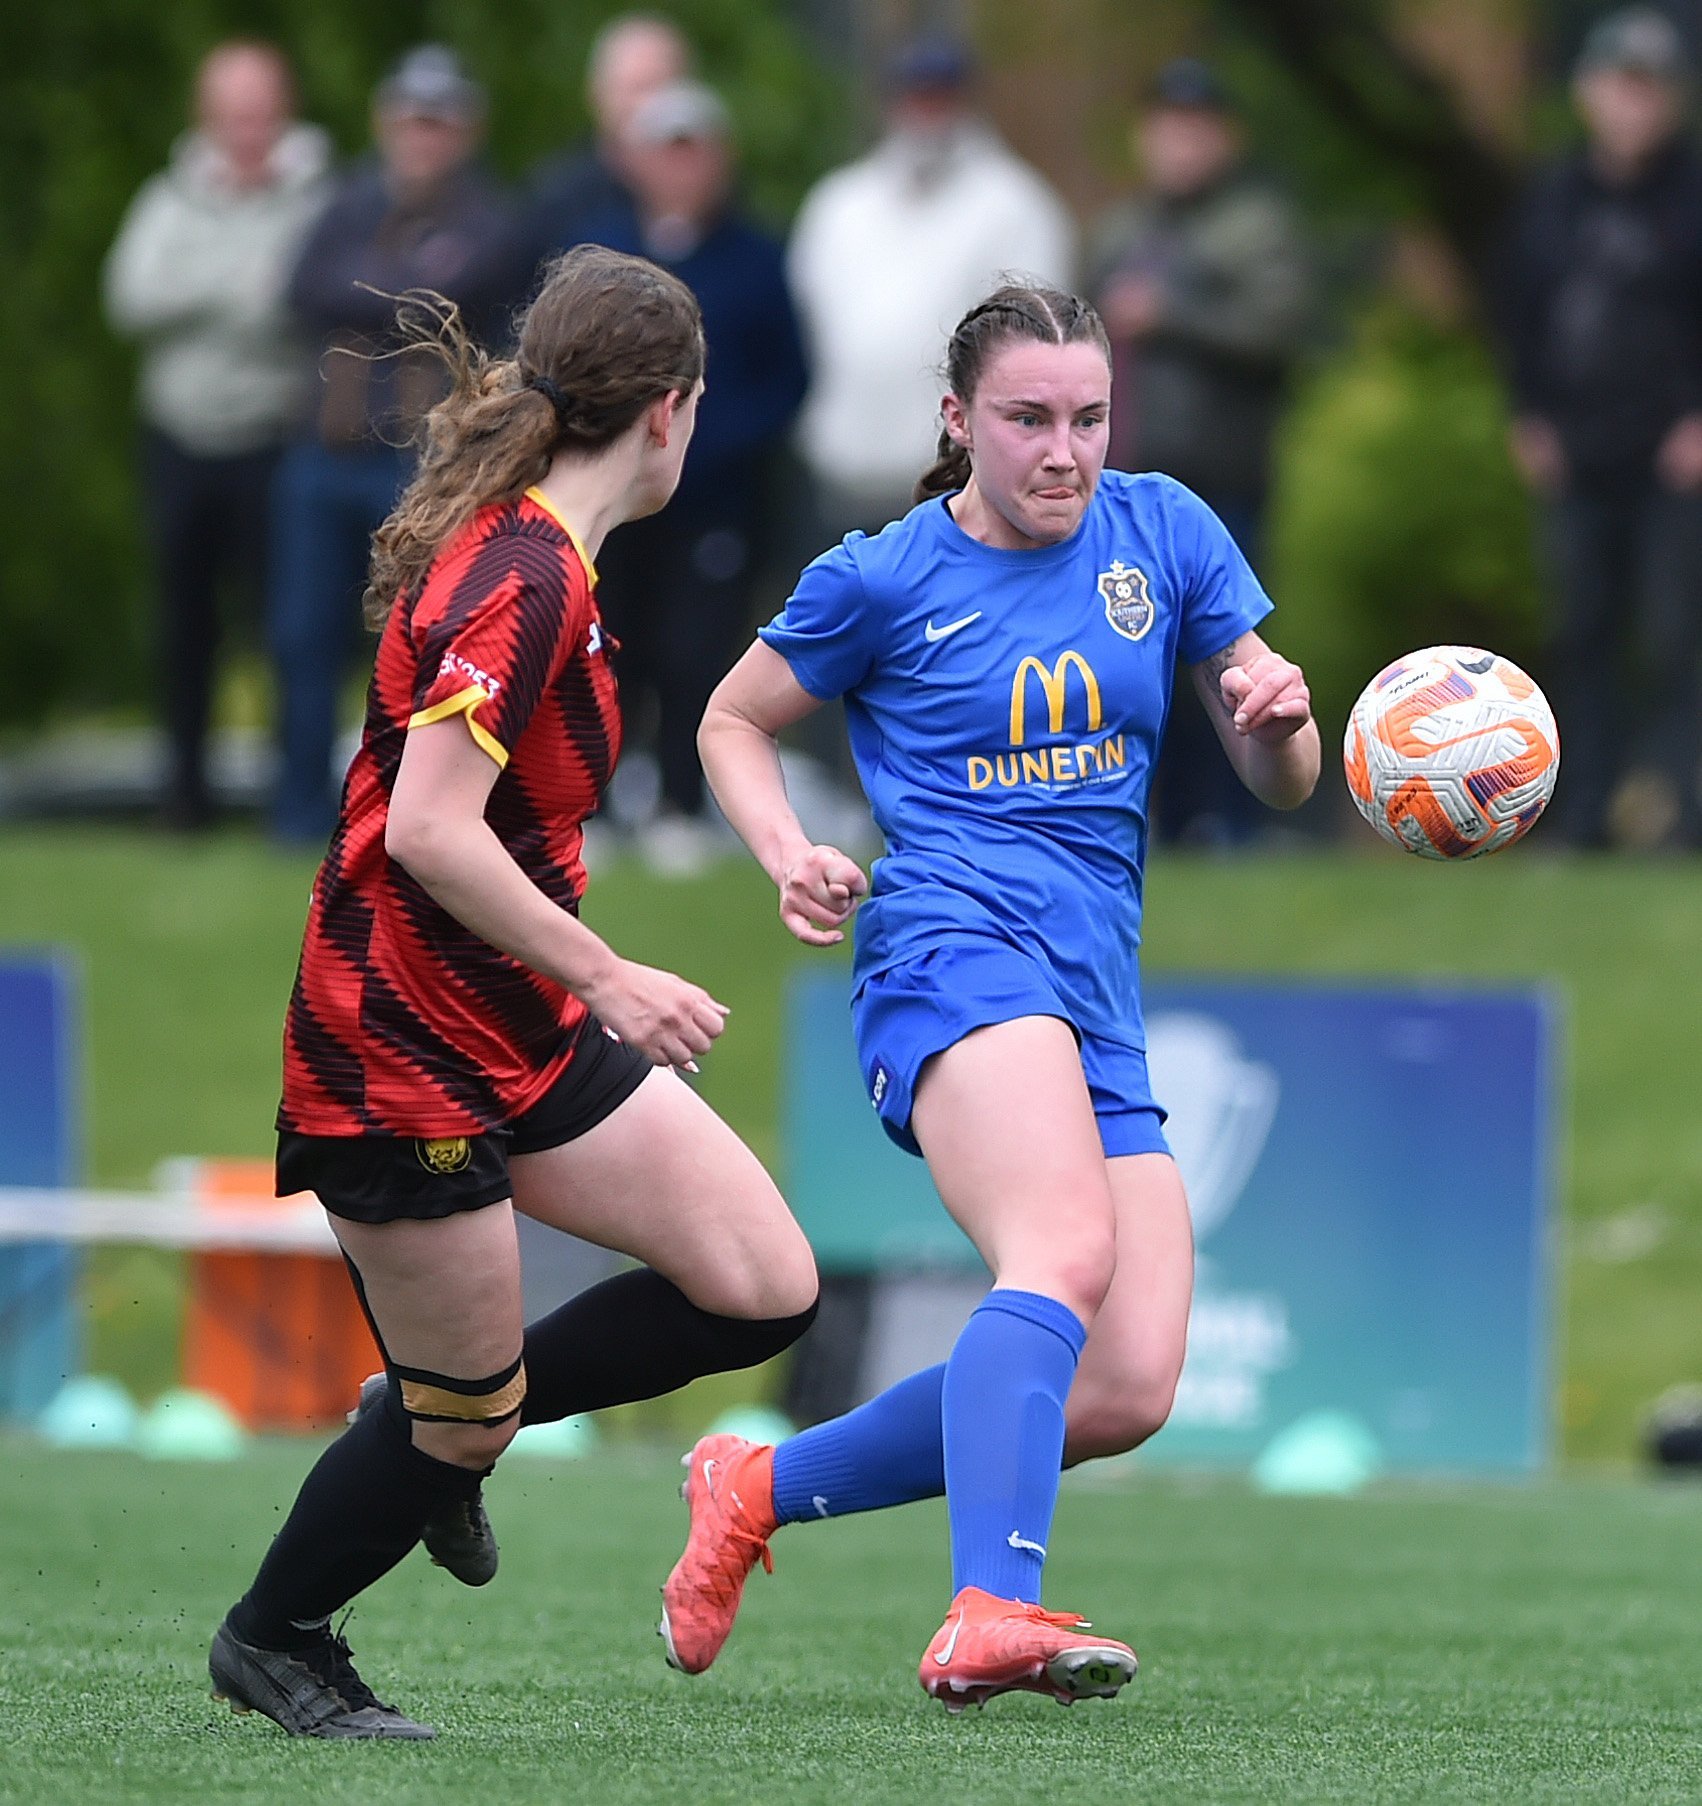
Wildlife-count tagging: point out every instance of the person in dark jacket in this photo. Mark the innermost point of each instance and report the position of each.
(633, 56)
(675, 590)
(1602, 308)
(1202, 280)
(419, 215)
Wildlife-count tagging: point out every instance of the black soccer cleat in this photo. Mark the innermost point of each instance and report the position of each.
(312, 1692)
(457, 1535)
(459, 1538)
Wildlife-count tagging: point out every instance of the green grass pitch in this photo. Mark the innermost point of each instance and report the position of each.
(1422, 1645)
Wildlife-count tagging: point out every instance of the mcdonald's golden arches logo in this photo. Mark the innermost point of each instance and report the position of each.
(1054, 682)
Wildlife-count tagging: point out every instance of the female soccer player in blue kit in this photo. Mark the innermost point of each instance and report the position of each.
(1005, 654)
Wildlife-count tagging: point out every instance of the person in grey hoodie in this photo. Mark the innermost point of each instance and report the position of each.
(197, 275)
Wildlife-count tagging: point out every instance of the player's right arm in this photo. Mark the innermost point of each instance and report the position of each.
(436, 830)
(739, 744)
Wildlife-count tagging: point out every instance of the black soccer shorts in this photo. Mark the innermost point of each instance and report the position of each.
(381, 1178)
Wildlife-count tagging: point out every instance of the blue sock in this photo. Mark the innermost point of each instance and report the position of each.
(1002, 1408)
(886, 1452)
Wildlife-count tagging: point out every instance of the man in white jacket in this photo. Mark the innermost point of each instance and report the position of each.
(887, 253)
(197, 275)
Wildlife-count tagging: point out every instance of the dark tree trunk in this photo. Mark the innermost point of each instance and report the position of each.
(1344, 54)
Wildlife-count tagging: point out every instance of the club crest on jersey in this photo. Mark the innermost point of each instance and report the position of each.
(1128, 601)
(445, 1154)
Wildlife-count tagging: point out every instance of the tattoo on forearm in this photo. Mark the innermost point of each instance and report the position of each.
(1212, 670)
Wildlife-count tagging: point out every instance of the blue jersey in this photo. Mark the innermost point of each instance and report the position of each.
(1005, 710)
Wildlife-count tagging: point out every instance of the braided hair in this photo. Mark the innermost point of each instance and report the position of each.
(1013, 311)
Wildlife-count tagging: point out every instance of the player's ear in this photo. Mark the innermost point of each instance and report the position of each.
(662, 417)
(955, 417)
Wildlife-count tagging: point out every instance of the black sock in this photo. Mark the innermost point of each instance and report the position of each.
(358, 1513)
(637, 1336)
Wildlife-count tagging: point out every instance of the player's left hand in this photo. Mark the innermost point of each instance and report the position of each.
(1267, 697)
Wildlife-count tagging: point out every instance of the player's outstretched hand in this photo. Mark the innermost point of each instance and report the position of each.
(667, 1019)
(818, 892)
(1268, 697)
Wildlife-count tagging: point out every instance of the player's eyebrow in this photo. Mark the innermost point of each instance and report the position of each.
(1045, 407)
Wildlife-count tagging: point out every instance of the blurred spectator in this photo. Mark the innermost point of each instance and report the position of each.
(675, 589)
(197, 274)
(886, 253)
(631, 57)
(1604, 323)
(1202, 281)
(420, 215)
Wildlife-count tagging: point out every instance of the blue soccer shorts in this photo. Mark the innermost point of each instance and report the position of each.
(904, 1016)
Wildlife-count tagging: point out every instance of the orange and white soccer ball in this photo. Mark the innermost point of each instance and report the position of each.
(1451, 752)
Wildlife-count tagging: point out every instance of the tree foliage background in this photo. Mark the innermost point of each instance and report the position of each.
(1397, 122)
(92, 95)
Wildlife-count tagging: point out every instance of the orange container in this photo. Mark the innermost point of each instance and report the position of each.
(279, 1337)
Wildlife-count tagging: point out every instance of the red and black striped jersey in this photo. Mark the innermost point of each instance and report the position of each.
(402, 1021)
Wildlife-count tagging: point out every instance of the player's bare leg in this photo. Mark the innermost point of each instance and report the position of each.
(663, 1179)
(1127, 1378)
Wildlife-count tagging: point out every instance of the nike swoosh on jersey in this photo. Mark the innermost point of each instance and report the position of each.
(933, 633)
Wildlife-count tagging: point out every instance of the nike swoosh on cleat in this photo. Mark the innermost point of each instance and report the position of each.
(709, 1474)
(951, 1642)
(933, 633)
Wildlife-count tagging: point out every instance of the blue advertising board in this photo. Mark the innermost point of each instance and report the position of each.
(1369, 1174)
(38, 1320)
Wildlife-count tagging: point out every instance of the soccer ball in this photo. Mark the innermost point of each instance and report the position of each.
(1451, 752)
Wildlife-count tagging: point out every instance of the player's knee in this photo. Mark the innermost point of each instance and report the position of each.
(1111, 1421)
(771, 1280)
(473, 1445)
(1083, 1270)
(792, 1285)
(467, 1423)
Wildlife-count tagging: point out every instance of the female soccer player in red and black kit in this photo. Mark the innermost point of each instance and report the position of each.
(459, 1046)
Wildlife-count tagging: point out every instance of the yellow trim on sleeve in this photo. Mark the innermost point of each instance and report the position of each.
(535, 494)
(463, 703)
(487, 740)
(469, 698)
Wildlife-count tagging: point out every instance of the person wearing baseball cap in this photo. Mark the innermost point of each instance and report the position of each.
(886, 248)
(1601, 307)
(633, 56)
(1638, 41)
(675, 589)
(420, 213)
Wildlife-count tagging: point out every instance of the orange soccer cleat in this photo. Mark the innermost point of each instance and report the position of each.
(729, 1490)
(989, 1645)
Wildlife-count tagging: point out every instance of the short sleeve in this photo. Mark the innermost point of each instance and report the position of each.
(492, 658)
(1222, 599)
(824, 631)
